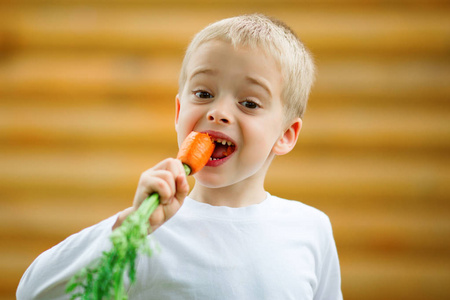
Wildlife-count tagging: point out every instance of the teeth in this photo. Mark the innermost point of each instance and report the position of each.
(223, 142)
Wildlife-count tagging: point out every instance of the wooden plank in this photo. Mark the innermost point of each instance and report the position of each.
(381, 175)
(92, 74)
(379, 128)
(221, 3)
(391, 277)
(399, 80)
(326, 29)
(392, 230)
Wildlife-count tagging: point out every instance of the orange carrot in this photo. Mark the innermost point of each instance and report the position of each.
(228, 152)
(195, 151)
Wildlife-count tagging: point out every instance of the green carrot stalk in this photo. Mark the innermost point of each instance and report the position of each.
(105, 279)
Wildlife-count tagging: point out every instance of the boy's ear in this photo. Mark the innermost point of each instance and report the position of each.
(177, 110)
(288, 139)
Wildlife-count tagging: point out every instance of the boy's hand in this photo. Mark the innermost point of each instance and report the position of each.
(168, 179)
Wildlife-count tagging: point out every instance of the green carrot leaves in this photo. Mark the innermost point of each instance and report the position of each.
(105, 279)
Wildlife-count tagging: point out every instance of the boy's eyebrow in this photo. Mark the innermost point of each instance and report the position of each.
(260, 83)
(202, 71)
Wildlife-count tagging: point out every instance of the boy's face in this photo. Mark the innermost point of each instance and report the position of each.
(234, 95)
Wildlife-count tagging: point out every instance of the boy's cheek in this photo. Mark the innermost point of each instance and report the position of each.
(182, 128)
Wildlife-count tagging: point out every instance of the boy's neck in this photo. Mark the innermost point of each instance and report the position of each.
(237, 195)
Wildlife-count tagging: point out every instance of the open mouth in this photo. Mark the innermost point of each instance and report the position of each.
(223, 148)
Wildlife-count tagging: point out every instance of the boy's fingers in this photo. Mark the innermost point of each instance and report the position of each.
(174, 168)
(165, 187)
(168, 179)
(157, 218)
(172, 165)
(159, 181)
(182, 188)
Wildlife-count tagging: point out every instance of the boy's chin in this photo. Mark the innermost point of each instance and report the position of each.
(210, 180)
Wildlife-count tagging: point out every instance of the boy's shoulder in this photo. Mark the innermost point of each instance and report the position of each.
(296, 205)
(298, 211)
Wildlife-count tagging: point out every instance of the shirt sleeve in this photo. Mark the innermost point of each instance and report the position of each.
(329, 283)
(47, 277)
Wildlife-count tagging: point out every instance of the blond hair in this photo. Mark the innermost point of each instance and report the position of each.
(276, 39)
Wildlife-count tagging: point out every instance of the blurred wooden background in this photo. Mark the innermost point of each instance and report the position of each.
(87, 97)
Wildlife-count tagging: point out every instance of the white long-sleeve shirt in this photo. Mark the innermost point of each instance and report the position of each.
(278, 249)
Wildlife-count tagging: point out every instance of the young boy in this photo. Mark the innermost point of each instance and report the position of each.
(245, 81)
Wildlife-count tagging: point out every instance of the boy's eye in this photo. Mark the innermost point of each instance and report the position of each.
(250, 104)
(203, 95)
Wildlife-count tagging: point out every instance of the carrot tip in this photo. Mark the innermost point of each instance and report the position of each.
(196, 150)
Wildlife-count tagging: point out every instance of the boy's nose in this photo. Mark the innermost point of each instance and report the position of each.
(219, 115)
